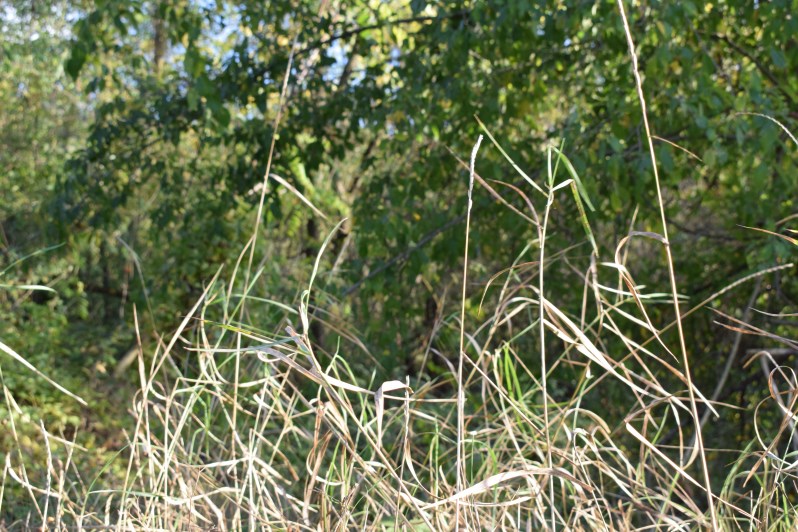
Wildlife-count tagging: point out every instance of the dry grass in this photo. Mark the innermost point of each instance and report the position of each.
(272, 435)
(318, 447)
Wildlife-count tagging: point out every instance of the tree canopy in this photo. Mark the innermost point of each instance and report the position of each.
(382, 99)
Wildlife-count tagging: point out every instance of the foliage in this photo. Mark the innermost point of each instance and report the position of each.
(380, 93)
(139, 144)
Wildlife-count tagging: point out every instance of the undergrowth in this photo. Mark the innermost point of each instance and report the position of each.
(240, 425)
(266, 433)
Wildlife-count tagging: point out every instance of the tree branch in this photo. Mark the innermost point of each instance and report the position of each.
(360, 29)
(759, 65)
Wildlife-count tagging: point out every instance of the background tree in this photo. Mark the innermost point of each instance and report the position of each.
(380, 94)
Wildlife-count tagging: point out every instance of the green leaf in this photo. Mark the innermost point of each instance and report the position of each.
(76, 61)
(578, 182)
(778, 58)
(193, 99)
(221, 115)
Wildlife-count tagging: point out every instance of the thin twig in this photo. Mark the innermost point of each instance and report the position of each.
(732, 354)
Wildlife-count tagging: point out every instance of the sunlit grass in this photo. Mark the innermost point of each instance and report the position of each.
(316, 443)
